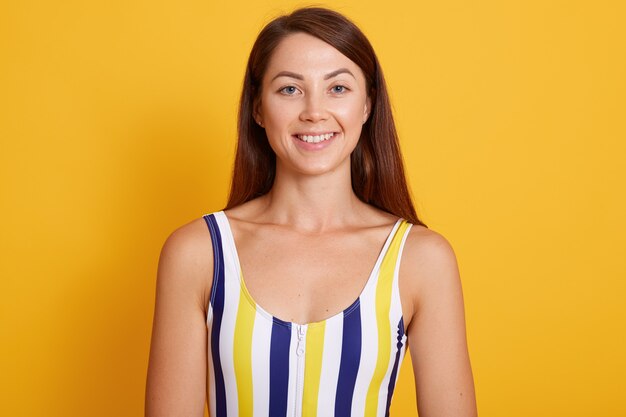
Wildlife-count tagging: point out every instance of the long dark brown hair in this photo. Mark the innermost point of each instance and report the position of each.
(377, 170)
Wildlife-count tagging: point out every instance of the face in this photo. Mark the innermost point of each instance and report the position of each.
(312, 105)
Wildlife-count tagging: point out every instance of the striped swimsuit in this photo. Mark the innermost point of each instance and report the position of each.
(261, 366)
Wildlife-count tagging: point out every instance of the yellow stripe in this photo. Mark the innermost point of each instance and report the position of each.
(242, 352)
(383, 304)
(313, 368)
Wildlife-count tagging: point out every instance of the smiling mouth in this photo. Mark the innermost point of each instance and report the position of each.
(315, 138)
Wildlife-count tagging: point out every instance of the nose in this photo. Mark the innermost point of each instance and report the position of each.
(314, 109)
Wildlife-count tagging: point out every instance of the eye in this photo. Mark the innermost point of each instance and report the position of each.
(338, 89)
(290, 90)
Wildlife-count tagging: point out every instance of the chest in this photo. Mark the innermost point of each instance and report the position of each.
(306, 278)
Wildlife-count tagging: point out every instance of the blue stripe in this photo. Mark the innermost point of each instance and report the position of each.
(217, 303)
(279, 367)
(350, 359)
(394, 372)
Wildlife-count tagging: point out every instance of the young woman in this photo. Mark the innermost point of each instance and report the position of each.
(301, 297)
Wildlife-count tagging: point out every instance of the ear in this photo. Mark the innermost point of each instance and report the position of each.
(256, 113)
(367, 108)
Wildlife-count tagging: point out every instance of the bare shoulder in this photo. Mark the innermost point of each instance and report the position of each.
(189, 242)
(429, 265)
(186, 260)
(426, 248)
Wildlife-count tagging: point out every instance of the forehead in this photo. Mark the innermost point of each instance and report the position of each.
(308, 55)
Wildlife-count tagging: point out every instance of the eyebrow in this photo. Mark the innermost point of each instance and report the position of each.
(301, 77)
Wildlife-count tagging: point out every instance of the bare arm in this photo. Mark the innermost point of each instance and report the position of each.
(443, 376)
(176, 383)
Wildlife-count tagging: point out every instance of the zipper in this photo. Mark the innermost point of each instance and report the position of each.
(300, 352)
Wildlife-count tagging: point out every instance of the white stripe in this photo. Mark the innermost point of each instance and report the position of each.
(231, 261)
(210, 369)
(331, 360)
(261, 338)
(227, 332)
(293, 362)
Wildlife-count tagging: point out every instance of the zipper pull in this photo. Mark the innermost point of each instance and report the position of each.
(300, 347)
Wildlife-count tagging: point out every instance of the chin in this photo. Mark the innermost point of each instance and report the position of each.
(320, 169)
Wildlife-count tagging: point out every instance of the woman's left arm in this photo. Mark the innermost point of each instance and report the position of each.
(437, 340)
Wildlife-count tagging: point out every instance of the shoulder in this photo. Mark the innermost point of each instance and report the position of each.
(429, 265)
(426, 248)
(189, 241)
(186, 259)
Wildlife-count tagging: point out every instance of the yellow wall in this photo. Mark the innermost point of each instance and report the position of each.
(117, 125)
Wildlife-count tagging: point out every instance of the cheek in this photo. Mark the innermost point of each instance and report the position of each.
(350, 113)
(277, 112)
(277, 118)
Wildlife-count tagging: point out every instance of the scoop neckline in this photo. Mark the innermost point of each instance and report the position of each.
(346, 311)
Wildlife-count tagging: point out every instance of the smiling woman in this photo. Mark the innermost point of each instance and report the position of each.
(301, 297)
(310, 110)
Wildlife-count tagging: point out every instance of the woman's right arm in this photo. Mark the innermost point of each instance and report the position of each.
(176, 383)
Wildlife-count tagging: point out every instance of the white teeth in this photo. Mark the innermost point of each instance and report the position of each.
(315, 139)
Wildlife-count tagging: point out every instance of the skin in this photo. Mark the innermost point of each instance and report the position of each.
(324, 245)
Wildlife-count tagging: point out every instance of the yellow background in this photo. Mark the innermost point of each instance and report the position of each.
(117, 125)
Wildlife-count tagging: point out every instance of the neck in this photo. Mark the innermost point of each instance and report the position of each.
(313, 203)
